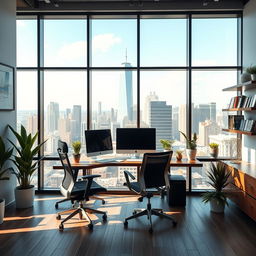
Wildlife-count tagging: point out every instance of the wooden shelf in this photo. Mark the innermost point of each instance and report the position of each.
(239, 109)
(246, 86)
(239, 132)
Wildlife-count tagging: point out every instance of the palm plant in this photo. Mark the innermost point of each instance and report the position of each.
(191, 144)
(218, 176)
(24, 160)
(5, 155)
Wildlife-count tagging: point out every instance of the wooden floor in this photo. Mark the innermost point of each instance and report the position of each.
(35, 231)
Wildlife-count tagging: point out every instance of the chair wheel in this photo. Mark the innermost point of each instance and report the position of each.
(125, 223)
(90, 226)
(104, 217)
(103, 202)
(174, 223)
(56, 206)
(140, 199)
(61, 227)
(58, 217)
(150, 230)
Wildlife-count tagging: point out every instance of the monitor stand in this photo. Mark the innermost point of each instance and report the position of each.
(136, 156)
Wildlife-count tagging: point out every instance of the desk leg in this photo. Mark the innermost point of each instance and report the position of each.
(189, 179)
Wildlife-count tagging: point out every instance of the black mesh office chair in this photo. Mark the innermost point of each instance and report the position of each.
(63, 147)
(153, 174)
(78, 191)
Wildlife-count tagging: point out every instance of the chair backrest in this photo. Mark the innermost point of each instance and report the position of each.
(68, 180)
(63, 146)
(154, 169)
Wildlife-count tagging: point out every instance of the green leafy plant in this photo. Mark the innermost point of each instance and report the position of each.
(5, 155)
(179, 154)
(167, 144)
(218, 176)
(76, 147)
(213, 145)
(191, 144)
(251, 69)
(24, 160)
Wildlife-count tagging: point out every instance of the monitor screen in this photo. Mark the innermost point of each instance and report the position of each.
(98, 142)
(135, 140)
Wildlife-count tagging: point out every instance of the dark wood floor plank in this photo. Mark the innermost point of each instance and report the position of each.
(198, 233)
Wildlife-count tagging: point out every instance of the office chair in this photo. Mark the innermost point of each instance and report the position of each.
(63, 147)
(153, 174)
(78, 191)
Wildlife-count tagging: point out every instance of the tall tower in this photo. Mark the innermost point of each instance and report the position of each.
(151, 97)
(53, 116)
(160, 117)
(126, 97)
(76, 125)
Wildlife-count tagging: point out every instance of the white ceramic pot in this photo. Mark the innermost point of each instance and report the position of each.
(191, 154)
(24, 198)
(2, 206)
(245, 77)
(253, 77)
(216, 207)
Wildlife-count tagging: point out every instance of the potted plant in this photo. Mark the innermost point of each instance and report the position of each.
(25, 166)
(76, 147)
(179, 155)
(252, 70)
(5, 155)
(214, 149)
(190, 146)
(218, 176)
(167, 144)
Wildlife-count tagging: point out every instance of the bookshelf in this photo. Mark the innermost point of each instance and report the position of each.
(239, 109)
(239, 132)
(246, 86)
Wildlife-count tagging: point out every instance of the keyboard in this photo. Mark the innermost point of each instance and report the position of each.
(110, 160)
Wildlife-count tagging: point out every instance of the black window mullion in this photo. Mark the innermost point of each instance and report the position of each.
(138, 71)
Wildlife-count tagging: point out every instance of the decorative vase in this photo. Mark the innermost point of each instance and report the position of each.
(216, 206)
(214, 152)
(76, 158)
(191, 154)
(245, 77)
(253, 77)
(24, 198)
(2, 206)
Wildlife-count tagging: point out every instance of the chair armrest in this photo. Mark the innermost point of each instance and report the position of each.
(127, 174)
(88, 177)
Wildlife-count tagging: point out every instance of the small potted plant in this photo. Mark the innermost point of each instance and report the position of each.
(218, 176)
(252, 70)
(179, 155)
(25, 166)
(190, 146)
(167, 144)
(76, 147)
(5, 155)
(214, 149)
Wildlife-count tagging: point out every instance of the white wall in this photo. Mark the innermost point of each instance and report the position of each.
(7, 56)
(249, 57)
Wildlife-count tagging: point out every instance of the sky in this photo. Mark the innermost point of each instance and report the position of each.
(163, 43)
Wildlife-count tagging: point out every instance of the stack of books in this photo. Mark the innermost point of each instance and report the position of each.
(234, 121)
(248, 125)
(243, 102)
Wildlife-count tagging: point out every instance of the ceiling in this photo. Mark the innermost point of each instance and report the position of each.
(132, 5)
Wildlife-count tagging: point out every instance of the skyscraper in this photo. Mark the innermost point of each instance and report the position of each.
(160, 117)
(126, 95)
(76, 124)
(151, 97)
(53, 116)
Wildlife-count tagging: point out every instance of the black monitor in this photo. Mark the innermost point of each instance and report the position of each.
(98, 142)
(135, 140)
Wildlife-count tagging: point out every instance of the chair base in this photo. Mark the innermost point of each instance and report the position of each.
(83, 213)
(149, 212)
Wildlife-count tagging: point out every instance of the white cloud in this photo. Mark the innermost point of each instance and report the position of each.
(73, 51)
(103, 42)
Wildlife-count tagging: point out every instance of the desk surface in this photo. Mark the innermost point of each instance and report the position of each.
(90, 164)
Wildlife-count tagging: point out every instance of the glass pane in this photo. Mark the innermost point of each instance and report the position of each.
(27, 100)
(27, 43)
(163, 42)
(207, 116)
(163, 104)
(114, 42)
(65, 108)
(214, 42)
(65, 43)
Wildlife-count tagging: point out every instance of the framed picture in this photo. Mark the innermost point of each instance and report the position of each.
(6, 87)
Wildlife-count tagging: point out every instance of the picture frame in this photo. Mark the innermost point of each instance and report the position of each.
(7, 89)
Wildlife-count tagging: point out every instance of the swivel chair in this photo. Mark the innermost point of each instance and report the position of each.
(78, 191)
(63, 147)
(153, 175)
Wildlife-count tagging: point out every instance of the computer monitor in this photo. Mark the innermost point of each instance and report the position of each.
(98, 142)
(135, 140)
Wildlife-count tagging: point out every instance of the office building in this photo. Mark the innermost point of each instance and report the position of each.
(63, 71)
